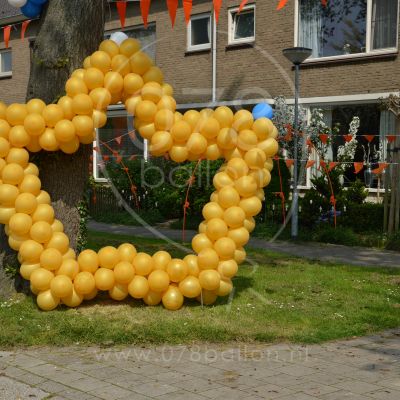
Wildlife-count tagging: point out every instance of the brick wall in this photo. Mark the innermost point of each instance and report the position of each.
(242, 72)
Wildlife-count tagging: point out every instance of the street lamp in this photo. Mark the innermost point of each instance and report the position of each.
(296, 55)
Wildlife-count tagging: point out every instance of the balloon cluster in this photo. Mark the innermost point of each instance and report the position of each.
(114, 73)
(30, 8)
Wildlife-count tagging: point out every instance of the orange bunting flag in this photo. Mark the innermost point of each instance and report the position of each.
(333, 200)
(309, 143)
(133, 189)
(289, 163)
(282, 3)
(276, 157)
(95, 148)
(323, 137)
(391, 138)
(145, 9)
(118, 140)
(358, 166)
(121, 7)
(106, 157)
(118, 159)
(24, 27)
(172, 8)
(332, 165)
(370, 138)
(242, 4)
(380, 169)
(310, 163)
(322, 164)
(217, 9)
(187, 8)
(347, 138)
(6, 34)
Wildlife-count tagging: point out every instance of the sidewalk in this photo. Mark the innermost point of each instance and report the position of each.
(360, 256)
(359, 369)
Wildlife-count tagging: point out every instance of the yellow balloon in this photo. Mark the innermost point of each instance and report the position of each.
(114, 82)
(129, 47)
(140, 63)
(43, 198)
(35, 106)
(193, 267)
(246, 186)
(159, 281)
(240, 236)
(47, 301)
(228, 197)
(65, 103)
(48, 140)
(30, 184)
(243, 119)
(8, 194)
(26, 203)
(61, 286)
(216, 228)
(161, 260)
(30, 251)
(192, 117)
(5, 214)
(20, 224)
(161, 142)
(255, 158)
(34, 124)
(139, 287)
(108, 257)
(251, 206)
(82, 104)
(84, 283)
(119, 292)
(208, 297)
(4, 128)
(101, 60)
(249, 224)
(263, 127)
(179, 153)
(224, 116)
(234, 217)
(69, 268)
(127, 252)
(225, 287)
(190, 287)
(201, 242)
(59, 241)
(164, 119)
(210, 128)
(41, 279)
(222, 179)
(172, 299)
(197, 143)
(120, 64)
(146, 110)
(41, 232)
(4, 147)
(105, 279)
(43, 212)
(240, 255)
(154, 74)
(177, 270)
(52, 114)
(167, 103)
(31, 169)
(64, 131)
(124, 272)
(225, 247)
(181, 131)
(93, 78)
(269, 147)
(18, 156)
(212, 210)
(133, 83)
(209, 279)
(152, 91)
(208, 259)
(101, 98)
(73, 300)
(143, 264)
(27, 269)
(88, 261)
(91, 295)
(19, 137)
(16, 114)
(228, 268)
(51, 259)
(152, 298)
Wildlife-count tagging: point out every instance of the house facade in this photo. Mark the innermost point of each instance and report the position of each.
(239, 62)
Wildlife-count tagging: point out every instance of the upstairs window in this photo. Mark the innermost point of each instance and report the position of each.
(342, 28)
(242, 26)
(5, 62)
(199, 32)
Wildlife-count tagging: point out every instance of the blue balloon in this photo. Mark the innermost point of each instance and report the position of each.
(38, 2)
(263, 110)
(31, 10)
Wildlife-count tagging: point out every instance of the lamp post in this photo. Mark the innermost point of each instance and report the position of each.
(296, 55)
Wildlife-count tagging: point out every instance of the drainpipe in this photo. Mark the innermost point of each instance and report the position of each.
(214, 60)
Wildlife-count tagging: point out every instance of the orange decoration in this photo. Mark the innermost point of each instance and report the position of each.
(310, 163)
(323, 137)
(6, 33)
(242, 4)
(24, 27)
(118, 140)
(172, 8)
(187, 8)
(121, 7)
(370, 138)
(380, 169)
(145, 9)
(358, 166)
(391, 138)
(217, 9)
(347, 138)
(322, 164)
(289, 163)
(332, 165)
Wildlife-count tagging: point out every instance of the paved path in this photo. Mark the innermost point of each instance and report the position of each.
(359, 369)
(360, 256)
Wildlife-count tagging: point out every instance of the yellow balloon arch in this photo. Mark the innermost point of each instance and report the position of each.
(124, 73)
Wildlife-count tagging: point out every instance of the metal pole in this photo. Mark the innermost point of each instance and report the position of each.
(295, 203)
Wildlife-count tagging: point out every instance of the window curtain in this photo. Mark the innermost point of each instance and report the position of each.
(387, 127)
(384, 23)
(310, 26)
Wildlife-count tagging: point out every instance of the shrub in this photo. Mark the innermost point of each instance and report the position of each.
(356, 193)
(275, 186)
(365, 217)
(340, 235)
(393, 242)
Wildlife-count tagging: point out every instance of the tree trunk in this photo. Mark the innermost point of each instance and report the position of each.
(69, 30)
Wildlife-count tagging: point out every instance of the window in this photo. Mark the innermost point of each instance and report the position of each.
(118, 126)
(5, 62)
(146, 36)
(199, 32)
(242, 26)
(343, 28)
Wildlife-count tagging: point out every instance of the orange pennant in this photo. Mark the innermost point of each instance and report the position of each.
(187, 8)
(310, 163)
(121, 7)
(322, 164)
(106, 157)
(323, 137)
(118, 140)
(24, 27)
(282, 3)
(145, 9)
(380, 169)
(118, 159)
(391, 138)
(332, 165)
(289, 163)
(172, 8)
(347, 138)
(358, 166)
(217, 9)
(370, 138)
(242, 4)
(95, 148)
(6, 34)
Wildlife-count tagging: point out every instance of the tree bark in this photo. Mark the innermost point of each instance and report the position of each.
(69, 31)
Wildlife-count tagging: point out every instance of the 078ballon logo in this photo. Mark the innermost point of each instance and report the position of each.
(120, 71)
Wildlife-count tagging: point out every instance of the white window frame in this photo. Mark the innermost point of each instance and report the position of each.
(113, 111)
(6, 73)
(369, 52)
(232, 25)
(198, 47)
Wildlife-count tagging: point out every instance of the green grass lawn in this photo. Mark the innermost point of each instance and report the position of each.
(277, 298)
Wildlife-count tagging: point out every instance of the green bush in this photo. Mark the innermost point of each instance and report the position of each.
(356, 193)
(367, 217)
(393, 242)
(275, 186)
(340, 235)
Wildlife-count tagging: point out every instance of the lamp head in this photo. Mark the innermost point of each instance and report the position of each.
(297, 55)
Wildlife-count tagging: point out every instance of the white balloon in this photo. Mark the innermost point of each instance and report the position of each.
(119, 37)
(17, 3)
